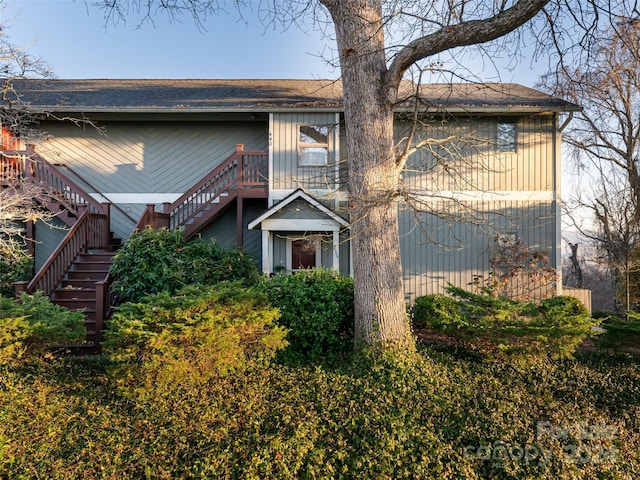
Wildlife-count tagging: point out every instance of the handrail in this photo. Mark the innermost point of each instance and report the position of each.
(84, 180)
(87, 232)
(242, 169)
(62, 188)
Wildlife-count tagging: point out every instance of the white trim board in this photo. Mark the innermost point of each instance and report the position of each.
(143, 198)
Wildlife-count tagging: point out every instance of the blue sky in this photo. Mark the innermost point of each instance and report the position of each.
(71, 36)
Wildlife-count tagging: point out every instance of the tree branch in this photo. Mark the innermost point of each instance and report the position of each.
(465, 33)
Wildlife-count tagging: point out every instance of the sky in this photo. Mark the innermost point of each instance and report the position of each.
(72, 37)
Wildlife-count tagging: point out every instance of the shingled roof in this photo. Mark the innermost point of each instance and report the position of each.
(95, 95)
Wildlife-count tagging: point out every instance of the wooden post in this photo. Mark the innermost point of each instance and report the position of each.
(101, 295)
(106, 226)
(150, 214)
(19, 287)
(31, 236)
(239, 222)
(239, 150)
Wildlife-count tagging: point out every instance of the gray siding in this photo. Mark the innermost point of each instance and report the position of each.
(48, 237)
(436, 251)
(466, 148)
(279, 252)
(144, 158)
(287, 175)
(452, 241)
(345, 253)
(223, 229)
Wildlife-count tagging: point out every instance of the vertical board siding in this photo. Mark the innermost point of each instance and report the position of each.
(469, 161)
(279, 252)
(287, 175)
(436, 251)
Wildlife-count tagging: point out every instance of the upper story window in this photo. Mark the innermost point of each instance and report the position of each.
(313, 145)
(506, 140)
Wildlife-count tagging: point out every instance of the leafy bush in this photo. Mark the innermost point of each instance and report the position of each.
(198, 334)
(316, 307)
(441, 417)
(154, 261)
(16, 264)
(33, 324)
(554, 326)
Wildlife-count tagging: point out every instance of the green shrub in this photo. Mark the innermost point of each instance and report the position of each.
(316, 307)
(621, 333)
(200, 333)
(33, 324)
(154, 261)
(437, 311)
(16, 264)
(554, 326)
(439, 418)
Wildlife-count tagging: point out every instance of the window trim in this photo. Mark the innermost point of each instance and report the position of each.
(302, 146)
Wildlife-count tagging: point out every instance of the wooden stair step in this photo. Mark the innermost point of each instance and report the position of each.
(95, 275)
(74, 292)
(75, 304)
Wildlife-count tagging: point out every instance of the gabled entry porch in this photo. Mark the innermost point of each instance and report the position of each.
(300, 232)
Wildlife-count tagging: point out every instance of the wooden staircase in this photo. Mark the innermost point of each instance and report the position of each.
(77, 291)
(243, 175)
(76, 275)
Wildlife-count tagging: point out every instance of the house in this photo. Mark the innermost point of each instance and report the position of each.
(261, 164)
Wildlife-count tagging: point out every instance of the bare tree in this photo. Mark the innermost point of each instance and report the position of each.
(379, 43)
(17, 197)
(605, 138)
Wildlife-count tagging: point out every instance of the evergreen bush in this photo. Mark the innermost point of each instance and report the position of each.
(200, 333)
(498, 325)
(16, 264)
(32, 325)
(316, 307)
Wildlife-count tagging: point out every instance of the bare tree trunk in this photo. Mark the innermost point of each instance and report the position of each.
(373, 174)
(575, 264)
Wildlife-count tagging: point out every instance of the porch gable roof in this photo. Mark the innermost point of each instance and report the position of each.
(299, 194)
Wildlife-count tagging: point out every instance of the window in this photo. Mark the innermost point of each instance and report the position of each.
(313, 145)
(304, 254)
(506, 136)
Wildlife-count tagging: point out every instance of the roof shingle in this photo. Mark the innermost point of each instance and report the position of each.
(94, 95)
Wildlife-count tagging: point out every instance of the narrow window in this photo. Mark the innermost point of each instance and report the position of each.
(313, 145)
(506, 136)
(304, 254)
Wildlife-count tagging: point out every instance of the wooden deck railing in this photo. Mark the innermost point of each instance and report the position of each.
(59, 186)
(151, 218)
(88, 232)
(106, 299)
(243, 170)
(58, 189)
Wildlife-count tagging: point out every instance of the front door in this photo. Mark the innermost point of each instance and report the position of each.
(303, 254)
